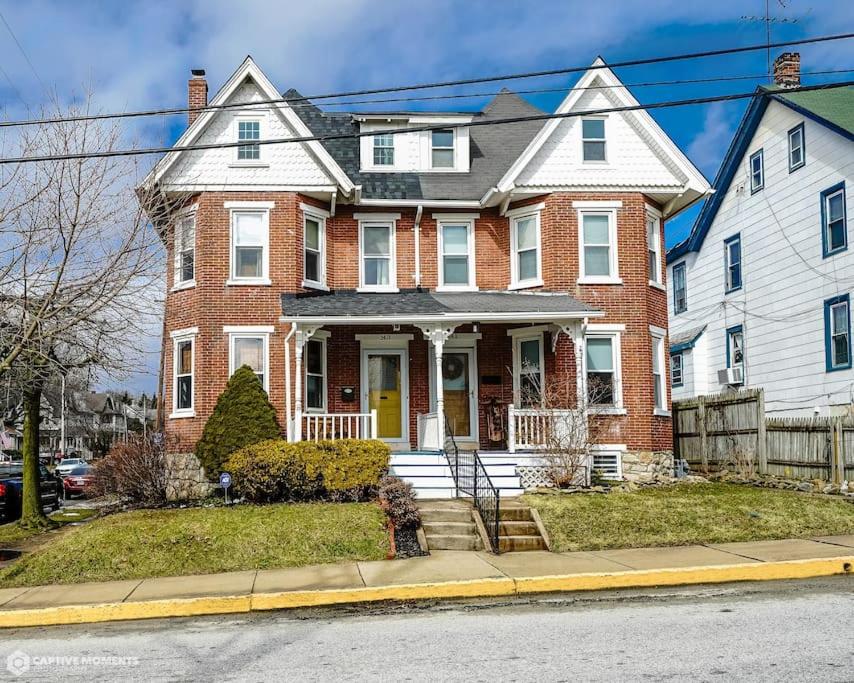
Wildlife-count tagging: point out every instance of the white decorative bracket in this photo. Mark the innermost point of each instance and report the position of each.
(571, 329)
(437, 333)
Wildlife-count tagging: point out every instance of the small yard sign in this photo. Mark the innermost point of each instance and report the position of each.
(225, 482)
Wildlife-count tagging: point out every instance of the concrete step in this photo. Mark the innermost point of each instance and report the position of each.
(454, 542)
(417, 459)
(461, 528)
(437, 516)
(507, 544)
(518, 528)
(513, 513)
(421, 470)
(434, 492)
(419, 481)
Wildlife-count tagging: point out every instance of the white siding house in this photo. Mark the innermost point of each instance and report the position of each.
(769, 265)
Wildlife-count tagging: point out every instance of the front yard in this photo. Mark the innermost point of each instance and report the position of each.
(172, 542)
(685, 514)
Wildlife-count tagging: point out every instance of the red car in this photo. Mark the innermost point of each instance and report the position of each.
(77, 480)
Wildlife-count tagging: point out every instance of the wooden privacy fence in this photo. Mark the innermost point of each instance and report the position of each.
(731, 430)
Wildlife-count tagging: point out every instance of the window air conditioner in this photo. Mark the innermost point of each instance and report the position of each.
(731, 376)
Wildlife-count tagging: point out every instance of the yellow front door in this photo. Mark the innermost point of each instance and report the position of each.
(384, 393)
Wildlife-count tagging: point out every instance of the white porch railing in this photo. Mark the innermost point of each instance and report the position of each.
(321, 426)
(428, 432)
(536, 428)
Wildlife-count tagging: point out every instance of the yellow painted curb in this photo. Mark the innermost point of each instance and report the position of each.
(190, 607)
(754, 571)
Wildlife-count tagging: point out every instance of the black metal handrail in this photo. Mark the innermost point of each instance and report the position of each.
(472, 480)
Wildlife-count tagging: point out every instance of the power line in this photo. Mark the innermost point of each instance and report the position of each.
(23, 52)
(414, 129)
(308, 99)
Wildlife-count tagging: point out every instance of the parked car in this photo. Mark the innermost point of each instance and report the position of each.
(12, 485)
(76, 481)
(68, 464)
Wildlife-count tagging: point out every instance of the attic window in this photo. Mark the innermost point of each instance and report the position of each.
(384, 150)
(248, 130)
(442, 148)
(593, 139)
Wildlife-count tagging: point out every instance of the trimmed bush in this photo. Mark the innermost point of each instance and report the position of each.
(398, 501)
(275, 470)
(243, 415)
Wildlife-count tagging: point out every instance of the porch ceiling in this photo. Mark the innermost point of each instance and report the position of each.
(349, 306)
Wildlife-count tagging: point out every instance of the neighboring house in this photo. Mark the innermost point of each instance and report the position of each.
(760, 292)
(390, 284)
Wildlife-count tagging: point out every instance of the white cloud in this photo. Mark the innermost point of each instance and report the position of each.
(708, 146)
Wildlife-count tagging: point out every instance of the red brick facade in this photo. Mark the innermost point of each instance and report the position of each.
(212, 304)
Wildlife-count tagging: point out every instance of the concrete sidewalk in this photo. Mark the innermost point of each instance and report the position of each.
(444, 574)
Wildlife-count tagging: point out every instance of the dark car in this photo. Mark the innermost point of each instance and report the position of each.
(77, 480)
(12, 484)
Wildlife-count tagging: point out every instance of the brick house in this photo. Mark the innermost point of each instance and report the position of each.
(395, 285)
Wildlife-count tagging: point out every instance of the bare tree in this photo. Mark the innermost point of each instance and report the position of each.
(82, 283)
(567, 426)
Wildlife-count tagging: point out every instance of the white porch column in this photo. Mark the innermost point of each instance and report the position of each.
(438, 335)
(301, 337)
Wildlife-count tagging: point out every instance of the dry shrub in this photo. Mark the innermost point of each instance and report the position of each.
(134, 470)
(398, 501)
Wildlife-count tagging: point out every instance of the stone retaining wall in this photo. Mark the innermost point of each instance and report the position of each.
(642, 466)
(186, 478)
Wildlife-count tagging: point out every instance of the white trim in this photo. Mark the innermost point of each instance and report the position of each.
(320, 339)
(249, 205)
(318, 218)
(308, 284)
(518, 340)
(248, 329)
(468, 347)
(524, 210)
(654, 216)
(314, 210)
(465, 339)
(187, 284)
(246, 187)
(368, 216)
(657, 335)
(533, 329)
(237, 208)
(473, 316)
(254, 115)
(675, 158)
(657, 331)
(184, 332)
(249, 69)
(377, 220)
(615, 335)
(254, 281)
(653, 210)
(515, 217)
(606, 327)
(598, 204)
(613, 278)
(250, 333)
(456, 216)
(403, 352)
(178, 248)
(471, 263)
(604, 139)
(396, 341)
(413, 203)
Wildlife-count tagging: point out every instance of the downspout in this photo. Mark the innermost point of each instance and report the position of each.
(418, 213)
(288, 414)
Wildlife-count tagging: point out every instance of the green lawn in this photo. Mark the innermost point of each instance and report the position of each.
(147, 543)
(687, 513)
(11, 535)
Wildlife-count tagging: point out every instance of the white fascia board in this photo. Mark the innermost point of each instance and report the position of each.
(695, 179)
(392, 318)
(185, 332)
(247, 187)
(251, 69)
(314, 210)
(524, 210)
(430, 203)
(455, 216)
(248, 329)
(368, 216)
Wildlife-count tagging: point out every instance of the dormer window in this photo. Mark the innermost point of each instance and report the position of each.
(593, 139)
(248, 130)
(384, 150)
(442, 148)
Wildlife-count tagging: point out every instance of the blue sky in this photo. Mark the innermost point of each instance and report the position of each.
(139, 54)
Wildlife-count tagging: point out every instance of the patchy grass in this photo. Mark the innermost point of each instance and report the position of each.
(687, 513)
(12, 534)
(148, 543)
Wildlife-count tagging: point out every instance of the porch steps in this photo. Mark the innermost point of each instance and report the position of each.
(431, 476)
(517, 530)
(449, 525)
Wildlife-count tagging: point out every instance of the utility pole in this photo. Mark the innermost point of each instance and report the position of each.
(144, 418)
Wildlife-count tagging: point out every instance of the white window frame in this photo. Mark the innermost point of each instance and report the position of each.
(681, 357)
(375, 219)
(683, 268)
(518, 336)
(730, 338)
(250, 332)
(613, 332)
(188, 334)
(319, 215)
(453, 149)
(235, 208)
(321, 337)
(514, 216)
(462, 219)
(599, 208)
(243, 117)
(375, 146)
(603, 139)
(178, 247)
(658, 335)
(797, 130)
(758, 154)
(653, 216)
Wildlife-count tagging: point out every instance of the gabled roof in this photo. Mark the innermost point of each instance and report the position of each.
(831, 107)
(674, 157)
(492, 149)
(249, 69)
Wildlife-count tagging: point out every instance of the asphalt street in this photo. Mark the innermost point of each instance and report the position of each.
(793, 631)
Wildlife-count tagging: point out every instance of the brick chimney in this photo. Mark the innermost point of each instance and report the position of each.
(197, 94)
(787, 70)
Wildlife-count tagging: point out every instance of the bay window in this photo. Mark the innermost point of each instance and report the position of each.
(603, 371)
(185, 251)
(597, 243)
(183, 372)
(659, 381)
(250, 346)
